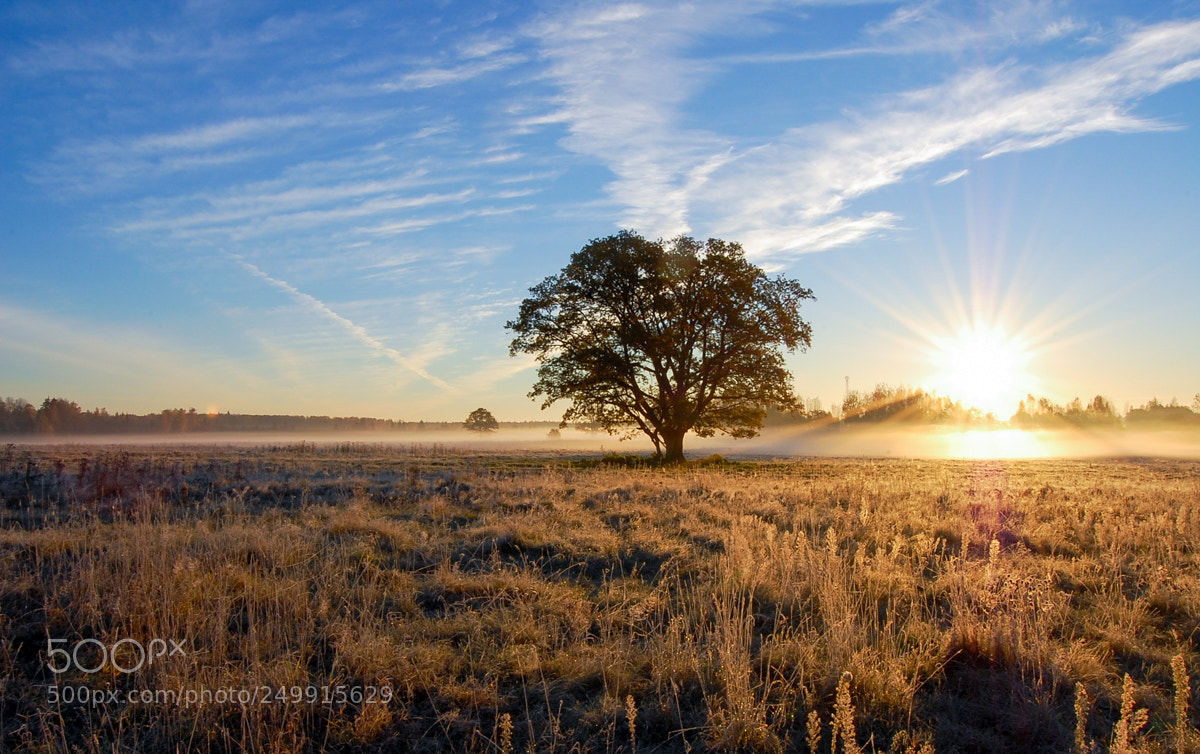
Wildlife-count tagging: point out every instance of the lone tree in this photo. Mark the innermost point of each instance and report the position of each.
(662, 338)
(481, 420)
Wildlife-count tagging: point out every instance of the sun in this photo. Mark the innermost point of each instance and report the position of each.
(984, 367)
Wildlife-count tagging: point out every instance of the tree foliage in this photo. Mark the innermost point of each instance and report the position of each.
(1041, 412)
(662, 338)
(905, 405)
(481, 420)
(1157, 413)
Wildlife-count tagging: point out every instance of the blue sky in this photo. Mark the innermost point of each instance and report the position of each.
(333, 208)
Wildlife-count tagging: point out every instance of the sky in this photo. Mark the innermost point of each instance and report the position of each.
(334, 208)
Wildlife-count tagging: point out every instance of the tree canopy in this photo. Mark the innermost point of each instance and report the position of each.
(481, 420)
(663, 337)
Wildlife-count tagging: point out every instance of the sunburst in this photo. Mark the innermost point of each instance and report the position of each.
(983, 366)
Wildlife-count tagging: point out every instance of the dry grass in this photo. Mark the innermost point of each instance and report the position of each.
(551, 604)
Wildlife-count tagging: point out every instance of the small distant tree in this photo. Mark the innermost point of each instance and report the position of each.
(481, 420)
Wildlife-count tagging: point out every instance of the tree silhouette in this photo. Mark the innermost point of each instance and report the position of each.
(481, 420)
(59, 415)
(662, 338)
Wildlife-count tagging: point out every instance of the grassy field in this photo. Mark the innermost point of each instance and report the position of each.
(423, 598)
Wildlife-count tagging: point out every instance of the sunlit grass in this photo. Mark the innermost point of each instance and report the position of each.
(525, 602)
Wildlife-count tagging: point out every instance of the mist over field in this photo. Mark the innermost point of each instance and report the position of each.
(780, 443)
(951, 442)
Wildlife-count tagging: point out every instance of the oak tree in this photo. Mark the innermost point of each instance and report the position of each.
(481, 420)
(663, 337)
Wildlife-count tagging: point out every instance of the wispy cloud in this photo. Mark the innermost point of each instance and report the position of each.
(392, 187)
(934, 26)
(201, 40)
(298, 210)
(415, 364)
(784, 239)
(792, 194)
(125, 49)
(815, 173)
(951, 177)
(434, 76)
(215, 134)
(622, 77)
(413, 224)
(485, 46)
(105, 164)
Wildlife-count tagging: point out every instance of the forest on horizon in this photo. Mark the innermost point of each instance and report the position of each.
(904, 405)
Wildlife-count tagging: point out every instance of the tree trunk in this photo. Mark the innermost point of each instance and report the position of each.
(673, 441)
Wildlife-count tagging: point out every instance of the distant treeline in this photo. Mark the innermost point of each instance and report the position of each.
(907, 405)
(902, 405)
(63, 417)
(1041, 412)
